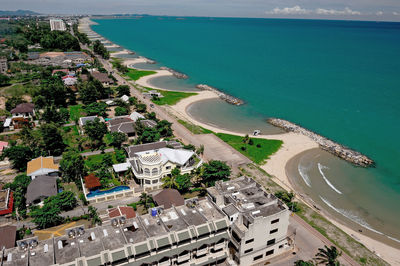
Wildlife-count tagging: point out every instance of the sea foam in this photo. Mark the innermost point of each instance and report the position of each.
(320, 167)
(303, 174)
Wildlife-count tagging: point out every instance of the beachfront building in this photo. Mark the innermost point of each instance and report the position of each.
(192, 234)
(259, 221)
(151, 162)
(57, 24)
(3, 65)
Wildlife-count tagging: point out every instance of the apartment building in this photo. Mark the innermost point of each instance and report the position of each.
(152, 162)
(258, 220)
(3, 65)
(57, 24)
(193, 234)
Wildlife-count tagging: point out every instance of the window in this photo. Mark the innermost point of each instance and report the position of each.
(249, 241)
(231, 219)
(147, 181)
(168, 167)
(273, 231)
(269, 252)
(271, 242)
(274, 221)
(280, 246)
(155, 181)
(247, 251)
(236, 237)
(257, 257)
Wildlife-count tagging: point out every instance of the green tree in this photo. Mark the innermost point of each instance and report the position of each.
(96, 130)
(214, 171)
(107, 160)
(52, 115)
(120, 156)
(4, 80)
(184, 183)
(148, 135)
(303, 263)
(12, 102)
(94, 216)
(146, 200)
(119, 111)
(328, 256)
(52, 139)
(72, 166)
(123, 90)
(117, 138)
(164, 128)
(65, 200)
(96, 108)
(287, 198)
(141, 108)
(47, 216)
(89, 93)
(19, 156)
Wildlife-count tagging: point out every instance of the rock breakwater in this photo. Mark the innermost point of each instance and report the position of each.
(326, 144)
(227, 98)
(175, 73)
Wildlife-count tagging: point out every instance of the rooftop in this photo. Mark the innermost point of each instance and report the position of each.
(23, 108)
(41, 166)
(91, 181)
(8, 235)
(41, 186)
(168, 198)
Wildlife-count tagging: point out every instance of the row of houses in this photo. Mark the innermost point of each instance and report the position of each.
(237, 223)
(63, 59)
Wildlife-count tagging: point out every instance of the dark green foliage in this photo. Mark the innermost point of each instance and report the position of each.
(53, 115)
(19, 155)
(82, 37)
(62, 40)
(117, 138)
(96, 130)
(119, 111)
(93, 215)
(51, 92)
(52, 139)
(303, 263)
(96, 108)
(47, 216)
(99, 49)
(12, 102)
(164, 128)
(141, 108)
(72, 166)
(93, 90)
(189, 147)
(214, 171)
(107, 160)
(120, 156)
(19, 186)
(148, 135)
(328, 256)
(287, 198)
(123, 90)
(4, 80)
(65, 200)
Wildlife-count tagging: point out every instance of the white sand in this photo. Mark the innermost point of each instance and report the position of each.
(144, 81)
(125, 51)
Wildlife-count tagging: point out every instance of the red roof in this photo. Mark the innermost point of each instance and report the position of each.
(91, 181)
(129, 212)
(10, 205)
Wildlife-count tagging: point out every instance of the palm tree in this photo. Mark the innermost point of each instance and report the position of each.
(146, 200)
(246, 139)
(303, 263)
(170, 182)
(328, 256)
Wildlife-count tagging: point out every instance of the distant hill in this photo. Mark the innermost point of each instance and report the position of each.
(18, 12)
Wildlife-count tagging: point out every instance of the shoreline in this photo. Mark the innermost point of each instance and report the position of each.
(294, 144)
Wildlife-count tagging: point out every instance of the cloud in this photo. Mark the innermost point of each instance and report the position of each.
(396, 13)
(379, 13)
(297, 10)
(346, 11)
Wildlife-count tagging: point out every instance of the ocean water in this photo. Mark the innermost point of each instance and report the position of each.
(338, 78)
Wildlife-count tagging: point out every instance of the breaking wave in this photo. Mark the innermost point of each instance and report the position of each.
(303, 174)
(320, 167)
(350, 215)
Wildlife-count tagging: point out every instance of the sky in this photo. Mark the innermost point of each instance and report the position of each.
(388, 10)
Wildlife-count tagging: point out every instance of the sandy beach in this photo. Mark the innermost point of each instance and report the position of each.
(293, 144)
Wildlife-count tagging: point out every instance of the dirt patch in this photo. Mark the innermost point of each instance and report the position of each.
(111, 111)
(3, 103)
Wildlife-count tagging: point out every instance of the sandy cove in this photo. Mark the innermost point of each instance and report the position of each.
(144, 81)
(293, 144)
(125, 51)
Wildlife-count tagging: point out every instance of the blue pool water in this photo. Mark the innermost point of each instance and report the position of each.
(97, 193)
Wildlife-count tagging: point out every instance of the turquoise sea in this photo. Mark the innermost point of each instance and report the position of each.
(338, 78)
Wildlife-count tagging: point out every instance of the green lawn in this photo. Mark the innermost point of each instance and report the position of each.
(70, 136)
(94, 161)
(194, 128)
(76, 111)
(172, 97)
(137, 74)
(256, 154)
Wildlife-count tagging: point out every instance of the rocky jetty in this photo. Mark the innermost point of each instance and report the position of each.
(175, 73)
(227, 98)
(340, 151)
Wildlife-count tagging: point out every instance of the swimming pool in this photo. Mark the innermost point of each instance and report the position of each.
(97, 193)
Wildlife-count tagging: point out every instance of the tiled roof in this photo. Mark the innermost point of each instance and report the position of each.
(8, 235)
(129, 212)
(169, 197)
(41, 163)
(23, 108)
(91, 181)
(41, 186)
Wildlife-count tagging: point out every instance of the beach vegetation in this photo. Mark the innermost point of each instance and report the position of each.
(135, 74)
(195, 129)
(287, 198)
(328, 256)
(123, 90)
(258, 153)
(171, 97)
(99, 49)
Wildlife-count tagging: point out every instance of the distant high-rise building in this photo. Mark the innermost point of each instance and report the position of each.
(57, 24)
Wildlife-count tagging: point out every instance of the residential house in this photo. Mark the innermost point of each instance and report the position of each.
(103, 78)
(40, 188)
(150, 164)
(3, 65)
(24, 110)
(148, 123)
(42, 166)
(122, 124)
(125, 98)
(6, 201)
(135, 116)
(121, 168)
(259, 221)
(83, 121)
(69, 80)
(57, 24)
(8, 235)
(152, 94)
(169, 197)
